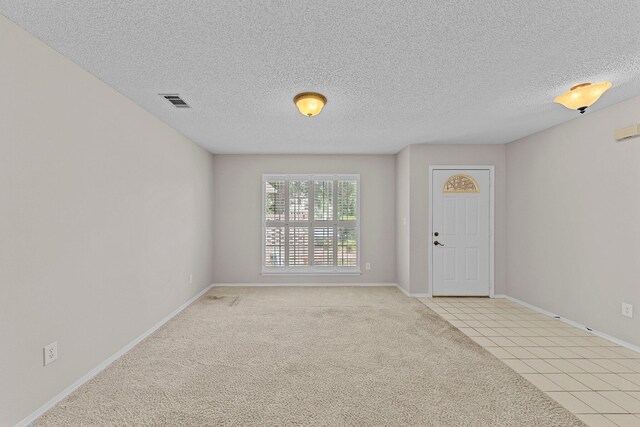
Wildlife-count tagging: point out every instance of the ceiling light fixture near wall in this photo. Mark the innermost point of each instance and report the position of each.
(309, 103)
(583, 95)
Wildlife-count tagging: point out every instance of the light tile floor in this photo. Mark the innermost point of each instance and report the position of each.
(597, 380)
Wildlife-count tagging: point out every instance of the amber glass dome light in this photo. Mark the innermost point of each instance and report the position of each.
(310, 103)
(582, 95)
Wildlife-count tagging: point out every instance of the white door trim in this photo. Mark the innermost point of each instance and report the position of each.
(492, 170)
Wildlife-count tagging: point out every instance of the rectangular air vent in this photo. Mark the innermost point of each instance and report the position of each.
(175, 99)
(626, 133)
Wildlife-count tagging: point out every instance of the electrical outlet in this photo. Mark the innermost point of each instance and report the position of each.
(367, 266)
(190, 278)
(50, 353)
(627, 310)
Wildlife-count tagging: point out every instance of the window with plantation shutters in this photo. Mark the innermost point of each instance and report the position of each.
(311, 224)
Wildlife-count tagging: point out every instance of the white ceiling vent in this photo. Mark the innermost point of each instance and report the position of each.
(175, 99)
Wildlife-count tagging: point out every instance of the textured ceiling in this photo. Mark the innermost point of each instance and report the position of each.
(394, 72)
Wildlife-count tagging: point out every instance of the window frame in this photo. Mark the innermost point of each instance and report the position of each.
(334, 270)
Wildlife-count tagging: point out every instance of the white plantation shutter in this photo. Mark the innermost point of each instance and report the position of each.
(347, 200)
(299, 246)
(311, 224)
(275, 198)
(323, 200)
(323, 246)
(347, 246)
(298, 200)
(274, 246)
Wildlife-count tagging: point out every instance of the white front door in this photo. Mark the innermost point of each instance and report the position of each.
(460, 231)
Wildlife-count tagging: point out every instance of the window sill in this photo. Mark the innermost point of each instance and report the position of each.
(311, 273)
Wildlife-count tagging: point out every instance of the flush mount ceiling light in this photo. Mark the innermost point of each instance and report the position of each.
(309, 103)
(582, 95)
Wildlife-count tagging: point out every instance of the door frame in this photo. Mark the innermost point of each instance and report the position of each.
(492, 170)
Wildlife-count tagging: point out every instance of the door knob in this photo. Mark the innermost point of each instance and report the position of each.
(436, 243)
(436, 234)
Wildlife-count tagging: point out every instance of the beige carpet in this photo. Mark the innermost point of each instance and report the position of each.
(308, 357)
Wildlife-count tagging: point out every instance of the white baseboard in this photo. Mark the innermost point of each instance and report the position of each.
(236, 285)
(403, 290)
(414, 295)
(95, 371)
(576, 324)
(427, 294)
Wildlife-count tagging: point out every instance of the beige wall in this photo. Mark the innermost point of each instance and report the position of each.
(238, 221)
(104, 213)
(420, 157)
(574, 220)
(403, 219)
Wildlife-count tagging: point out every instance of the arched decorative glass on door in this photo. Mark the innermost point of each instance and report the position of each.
(461, 183)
